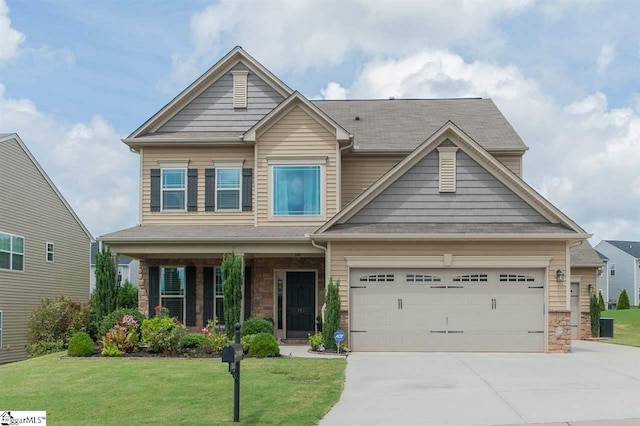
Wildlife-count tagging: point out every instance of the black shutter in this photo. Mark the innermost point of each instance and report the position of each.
(247, 179)
(209, 190)
(207, 301)
(192, 188)
(154, 289)
(155, 190)
(247, 292)
(190, 293)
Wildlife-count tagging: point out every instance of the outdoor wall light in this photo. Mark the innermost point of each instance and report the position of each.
(560, 275)
(590, 288)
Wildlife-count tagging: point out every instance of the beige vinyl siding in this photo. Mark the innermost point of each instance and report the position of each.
(30, 208)
(557, 293)
(513, 162)
(200, 158)
(359, 172)
(588, 276)
(297, 134)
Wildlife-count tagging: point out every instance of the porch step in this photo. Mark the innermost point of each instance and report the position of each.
(295, 341)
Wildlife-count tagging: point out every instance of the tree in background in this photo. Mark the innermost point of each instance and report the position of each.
(623, 300)
(232, 288)
(106, 292)
(331, 314)
(128, 295)
(594, 313)
(601, 301)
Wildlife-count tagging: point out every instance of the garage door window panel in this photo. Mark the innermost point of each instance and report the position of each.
(377, 278)
(422, 278)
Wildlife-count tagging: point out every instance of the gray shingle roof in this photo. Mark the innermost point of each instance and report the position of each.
(449, 228)
(403, 124)
(209, 233)
(584, 255)
(629, 247)
(602, 256)
(122, 260)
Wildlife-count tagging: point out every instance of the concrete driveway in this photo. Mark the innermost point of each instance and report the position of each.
(596, 381)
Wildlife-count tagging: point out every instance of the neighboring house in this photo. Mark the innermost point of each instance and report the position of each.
(622, 269)
(127, 268)
(43, 245)
(417, 207)
(603, 280)
(585, 267)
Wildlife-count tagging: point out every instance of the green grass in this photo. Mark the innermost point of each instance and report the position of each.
(626, 326)
(159, 391)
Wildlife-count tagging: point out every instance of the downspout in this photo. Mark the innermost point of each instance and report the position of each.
(326, 271)
(635, 281)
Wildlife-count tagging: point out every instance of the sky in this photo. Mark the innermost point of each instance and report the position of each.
(78, 76)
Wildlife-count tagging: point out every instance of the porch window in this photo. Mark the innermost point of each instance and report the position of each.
(219, 298)
(172, 284)
(174, 189)
(296, 190)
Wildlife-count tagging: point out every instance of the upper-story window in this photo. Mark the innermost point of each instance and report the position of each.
(228, 187)
(296, 190)
(11, 252)
(174, 189)
(612, 269)
(49, 252)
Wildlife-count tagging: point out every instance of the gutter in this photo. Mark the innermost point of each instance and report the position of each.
(170, 240)
(522, 237)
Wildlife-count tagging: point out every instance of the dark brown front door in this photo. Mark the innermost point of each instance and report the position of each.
(301, 300)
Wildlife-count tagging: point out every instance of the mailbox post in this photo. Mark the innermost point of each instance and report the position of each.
(233, 354)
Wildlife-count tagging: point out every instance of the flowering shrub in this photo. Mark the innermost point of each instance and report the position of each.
(114, 317)
(213, 341)
(162, 333)
(124, 334)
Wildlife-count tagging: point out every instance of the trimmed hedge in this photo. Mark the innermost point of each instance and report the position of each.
(256, 326)
(81, 344)
(264, 345)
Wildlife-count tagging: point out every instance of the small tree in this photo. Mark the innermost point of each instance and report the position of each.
(331, 314)
(594, 313)
(232, 289)
(601, 302)
(128, 295)
(106, 292)
(623, 300)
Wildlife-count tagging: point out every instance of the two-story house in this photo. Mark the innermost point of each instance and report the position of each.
(623, 269)
(44, 247)
(417, 207)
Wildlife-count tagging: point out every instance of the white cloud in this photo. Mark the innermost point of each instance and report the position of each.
(334, 91)
(583, 156)
(278, 32)
(10, 38)
(606, 56)
(95, 172)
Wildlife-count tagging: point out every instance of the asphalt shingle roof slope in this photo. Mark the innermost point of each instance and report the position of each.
(602, 256)
(584, 255)
(403, 124)
(209, 232)
(629, 247)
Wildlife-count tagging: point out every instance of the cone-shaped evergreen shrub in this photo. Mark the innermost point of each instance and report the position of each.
(331, 314)
(601, 302)
(594, 313)
(623, 300)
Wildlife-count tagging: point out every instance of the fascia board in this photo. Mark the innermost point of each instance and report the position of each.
(443, 237)
(454, 262)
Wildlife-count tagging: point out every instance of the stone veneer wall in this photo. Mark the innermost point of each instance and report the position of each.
(262, 281)
(585, 326)
(262, 285)
(559, 331)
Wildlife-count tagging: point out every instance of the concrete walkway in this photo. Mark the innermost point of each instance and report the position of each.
(596, 381)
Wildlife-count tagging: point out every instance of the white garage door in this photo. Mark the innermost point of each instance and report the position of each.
(447, 310)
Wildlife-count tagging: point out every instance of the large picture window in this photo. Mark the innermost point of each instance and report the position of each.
(172, 285)
(296, 190)
(11, 252)
(228, 182)
(174, 189)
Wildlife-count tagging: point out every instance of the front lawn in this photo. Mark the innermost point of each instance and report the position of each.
(626, 326)
(112, 391)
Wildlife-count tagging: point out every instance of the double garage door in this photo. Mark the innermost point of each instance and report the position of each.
(447, 310)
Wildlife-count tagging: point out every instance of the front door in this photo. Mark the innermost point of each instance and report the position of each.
(301, 300)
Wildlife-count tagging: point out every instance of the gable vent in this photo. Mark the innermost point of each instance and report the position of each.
(447, 168)
(239, 89)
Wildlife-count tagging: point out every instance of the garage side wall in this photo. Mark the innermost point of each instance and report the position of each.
(589, 276)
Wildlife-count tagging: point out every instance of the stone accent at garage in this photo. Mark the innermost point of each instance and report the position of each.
(559, 331)
(585, 325)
